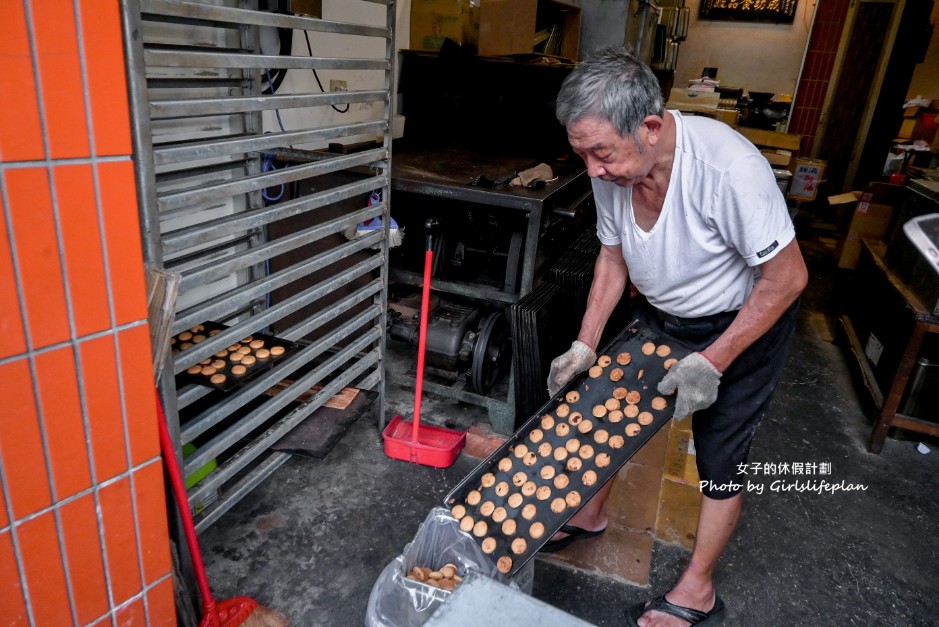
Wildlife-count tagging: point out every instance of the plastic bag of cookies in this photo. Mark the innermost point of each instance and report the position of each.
(401, 598)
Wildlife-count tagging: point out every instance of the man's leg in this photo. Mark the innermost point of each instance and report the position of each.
(592, 515)
(695, 588)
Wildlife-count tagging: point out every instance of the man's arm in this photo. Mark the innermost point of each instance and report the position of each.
(609, 283)
(782, 280)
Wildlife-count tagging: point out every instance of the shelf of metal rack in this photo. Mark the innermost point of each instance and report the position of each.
(196, 81)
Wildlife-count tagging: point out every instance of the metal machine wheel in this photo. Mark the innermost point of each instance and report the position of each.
(487, 354)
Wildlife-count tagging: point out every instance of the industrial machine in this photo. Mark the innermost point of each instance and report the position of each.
(464, 341)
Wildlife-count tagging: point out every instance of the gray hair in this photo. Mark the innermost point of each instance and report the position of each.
(612, 85)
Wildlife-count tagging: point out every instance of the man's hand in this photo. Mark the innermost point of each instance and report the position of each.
(696, 380)
(567, 366)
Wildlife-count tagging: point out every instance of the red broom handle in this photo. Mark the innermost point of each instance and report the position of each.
(182, 500)
(422, 343)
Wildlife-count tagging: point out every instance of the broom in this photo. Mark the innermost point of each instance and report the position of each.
(232, 612)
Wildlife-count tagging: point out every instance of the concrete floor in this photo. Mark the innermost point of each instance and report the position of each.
(312, 539)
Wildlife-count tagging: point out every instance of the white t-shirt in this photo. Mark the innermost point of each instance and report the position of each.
(723, 215)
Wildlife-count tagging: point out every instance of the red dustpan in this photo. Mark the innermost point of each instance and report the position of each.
(411, 441)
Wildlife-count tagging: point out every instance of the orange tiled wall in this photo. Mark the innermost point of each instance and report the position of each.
(83, 533)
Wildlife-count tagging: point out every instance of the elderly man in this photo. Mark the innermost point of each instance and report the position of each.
(689, 211)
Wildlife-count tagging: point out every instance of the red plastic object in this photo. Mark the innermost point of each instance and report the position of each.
(436, 447)
(426, 445)
(227, 613)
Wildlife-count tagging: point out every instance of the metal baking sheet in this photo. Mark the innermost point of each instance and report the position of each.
(247, 345)
(528, 463)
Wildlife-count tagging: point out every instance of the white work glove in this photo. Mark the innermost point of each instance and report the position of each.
(567, 366)
(696, 380)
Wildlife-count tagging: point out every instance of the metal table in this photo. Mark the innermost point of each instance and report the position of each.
(916, 321)
(449, 173)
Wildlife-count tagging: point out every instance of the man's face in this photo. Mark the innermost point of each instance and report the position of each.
(608, 155)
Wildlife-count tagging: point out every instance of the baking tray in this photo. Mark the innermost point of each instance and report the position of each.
(253, 346)
(528, 464)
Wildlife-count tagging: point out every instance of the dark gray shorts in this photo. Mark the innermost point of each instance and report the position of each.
(723, 432)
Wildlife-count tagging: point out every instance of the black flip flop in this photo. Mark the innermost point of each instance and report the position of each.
(573, 535)
(693, 616)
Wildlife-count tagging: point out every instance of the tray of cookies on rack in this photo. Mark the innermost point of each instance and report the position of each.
(232, 366)
(523, 493)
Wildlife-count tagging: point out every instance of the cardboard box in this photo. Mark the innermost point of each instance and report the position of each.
(680, 495)
(918, 123)
(677, 519)
(567, 17)
(873, 212)
(493, 27)
(433, 21)
(778, 158)
(728, 116)
(681, 463)
(844, 206)
(771, 139)
(693, 101)
(906, 128)
(506, 27)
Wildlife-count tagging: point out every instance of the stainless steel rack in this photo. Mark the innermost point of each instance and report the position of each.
(195, 72)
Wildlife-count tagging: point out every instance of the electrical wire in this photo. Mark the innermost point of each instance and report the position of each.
(309, 48)
(267, 165)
